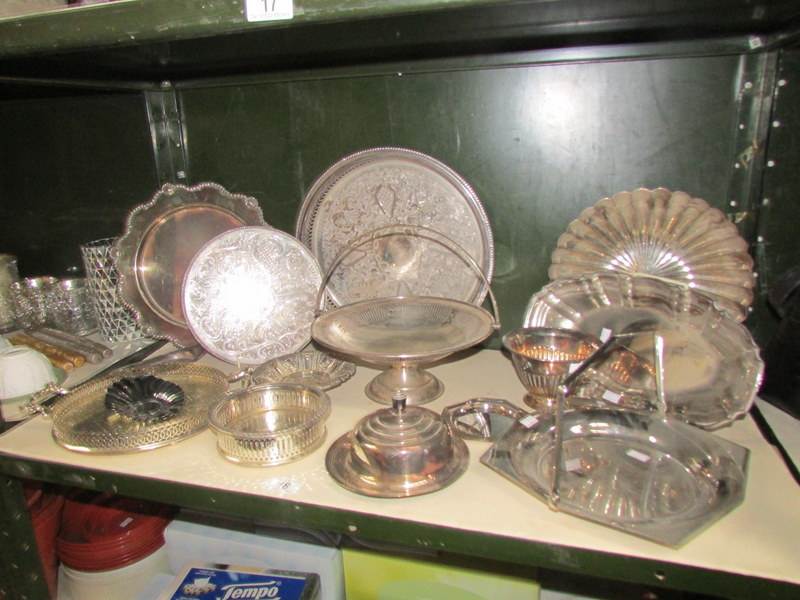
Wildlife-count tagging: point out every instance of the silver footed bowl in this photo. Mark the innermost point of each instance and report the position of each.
(543, 357)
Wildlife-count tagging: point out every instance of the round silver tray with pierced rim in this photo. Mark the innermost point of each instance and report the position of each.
(385, 186)
(403, 332)
(84, 422)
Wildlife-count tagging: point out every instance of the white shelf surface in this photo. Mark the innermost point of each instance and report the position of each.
(759, 538)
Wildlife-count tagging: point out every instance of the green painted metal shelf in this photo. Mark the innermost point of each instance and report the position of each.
(154, 39)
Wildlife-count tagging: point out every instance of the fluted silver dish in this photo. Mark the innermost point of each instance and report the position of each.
(662, 233)
(308, 367)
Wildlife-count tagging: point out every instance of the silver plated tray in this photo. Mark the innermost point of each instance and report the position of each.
(160, 239)
(711, 365)
(249, 295)
(661, 233)
(82, 422)
(644, 474)
(385, 186)
(308, 367)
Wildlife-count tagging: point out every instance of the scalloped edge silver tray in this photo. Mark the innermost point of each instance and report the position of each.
(168, 322)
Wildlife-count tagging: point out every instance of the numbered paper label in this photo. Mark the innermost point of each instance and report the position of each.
(269, 10)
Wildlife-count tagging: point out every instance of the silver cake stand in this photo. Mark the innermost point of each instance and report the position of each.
(402, 333)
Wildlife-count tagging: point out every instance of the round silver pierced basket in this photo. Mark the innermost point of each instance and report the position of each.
(270, 424)
(404, 332)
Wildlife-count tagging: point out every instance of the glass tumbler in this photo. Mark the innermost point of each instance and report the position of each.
(115, 320)
(70, 307)
(8, 276)
(30, 301)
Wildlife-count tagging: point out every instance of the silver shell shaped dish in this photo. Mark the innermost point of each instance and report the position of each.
(81, 421)
(385, 186)
(711, 367)
(160, 239)
(662, 233)
(644, 474)
(308, 367)
(270, 425)
(249, 295)
(146, 398)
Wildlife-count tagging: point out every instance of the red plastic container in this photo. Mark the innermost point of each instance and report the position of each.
(108, 532)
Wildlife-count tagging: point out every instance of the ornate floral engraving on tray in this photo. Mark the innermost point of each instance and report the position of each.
(384, 186)
(250, 295)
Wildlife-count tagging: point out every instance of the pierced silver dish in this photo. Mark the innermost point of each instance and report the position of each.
(662, 233)
(711, 365)
(270, 424)
(308, 367)
(249, 295)
(644, 474)
(386, 186)
(160, 239)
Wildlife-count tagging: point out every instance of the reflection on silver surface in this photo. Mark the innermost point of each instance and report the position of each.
(712, 367)
(250, 294)
(643, 474)
(397, 452)
(481, 418)
(662, 233)
(386, 186)
(160, 239)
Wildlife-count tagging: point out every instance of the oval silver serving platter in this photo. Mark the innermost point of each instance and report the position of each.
(385, 186)
(711, 365)
(249, 295)
(160, 239)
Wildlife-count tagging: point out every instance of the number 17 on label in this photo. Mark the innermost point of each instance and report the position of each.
(269, 10)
